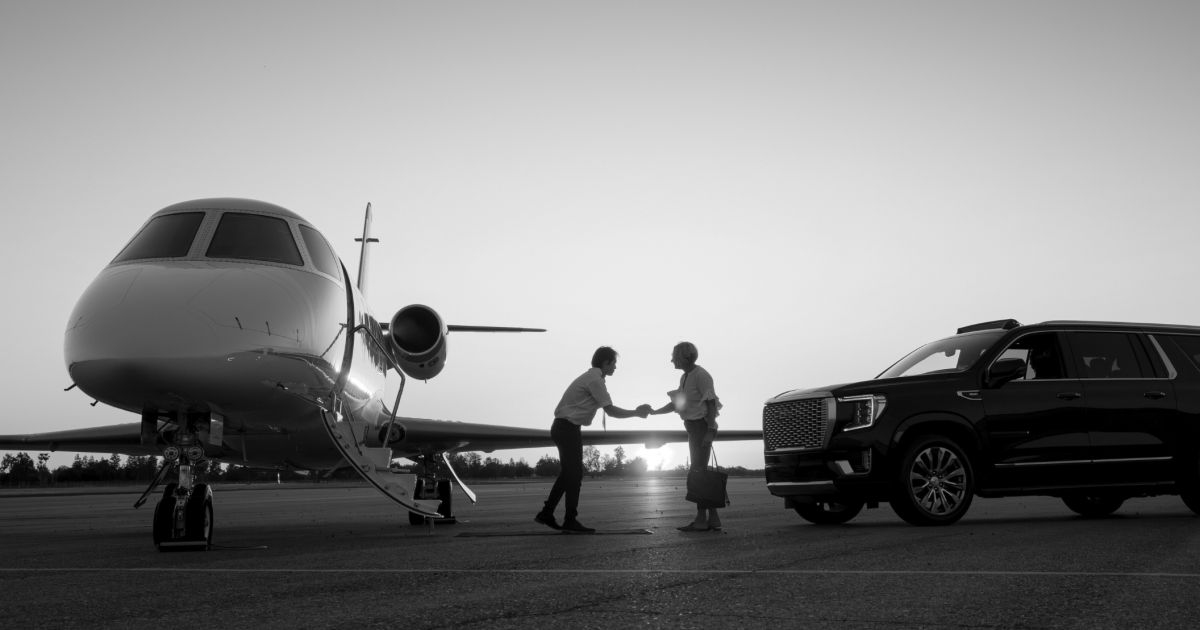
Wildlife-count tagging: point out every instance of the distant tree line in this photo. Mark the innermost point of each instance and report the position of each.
(22, 470)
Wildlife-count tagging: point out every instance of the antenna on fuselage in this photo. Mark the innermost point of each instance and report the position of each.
(362, 255)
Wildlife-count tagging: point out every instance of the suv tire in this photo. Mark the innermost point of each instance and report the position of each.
(1093, 506)
(829, 512)
(935, 483)
(1191, 498)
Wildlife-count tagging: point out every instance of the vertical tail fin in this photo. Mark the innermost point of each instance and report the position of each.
(362, 256)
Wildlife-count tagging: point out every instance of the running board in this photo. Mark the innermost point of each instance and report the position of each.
(374, 464)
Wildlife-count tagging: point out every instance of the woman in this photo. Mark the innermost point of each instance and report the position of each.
(696, 402)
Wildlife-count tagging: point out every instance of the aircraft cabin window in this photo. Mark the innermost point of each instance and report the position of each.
(320, 252)
(168, 236)
(254, 237)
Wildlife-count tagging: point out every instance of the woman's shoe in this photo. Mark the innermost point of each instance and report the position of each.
(691, 527)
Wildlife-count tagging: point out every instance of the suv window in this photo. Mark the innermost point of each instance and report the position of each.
(319, 250)
(168, 236)
(1042, 355)
(1105, 355)
(952, 354)
(254, 237)
(1190, 346)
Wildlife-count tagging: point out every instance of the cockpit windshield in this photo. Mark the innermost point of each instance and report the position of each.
(952, 354)
(168, 236)
(319, 251)
(254, 237)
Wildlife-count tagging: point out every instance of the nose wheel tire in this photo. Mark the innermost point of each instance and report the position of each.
(164, 515)
(1093, 507)
(198, 516)
(936, 484)
(829, 512)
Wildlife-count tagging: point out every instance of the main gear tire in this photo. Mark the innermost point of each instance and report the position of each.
(418, 493)
(936, 482)
(829, 512)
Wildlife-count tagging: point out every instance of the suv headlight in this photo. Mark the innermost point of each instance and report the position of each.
(865, 410)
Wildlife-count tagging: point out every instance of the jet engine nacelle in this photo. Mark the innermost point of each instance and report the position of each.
(418, 341)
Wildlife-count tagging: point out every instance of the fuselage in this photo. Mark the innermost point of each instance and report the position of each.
(237, 308)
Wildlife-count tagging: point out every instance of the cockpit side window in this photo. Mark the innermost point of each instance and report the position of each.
(168, 236)
(254, 237)
(322, 255)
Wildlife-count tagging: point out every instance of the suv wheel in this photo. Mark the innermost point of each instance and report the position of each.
(1091, 506)
(936, 482)
(829, 512)
(1191, 498)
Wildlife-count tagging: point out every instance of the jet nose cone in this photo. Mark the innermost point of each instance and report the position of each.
(181, 331)
(139, 312)
(131, 330)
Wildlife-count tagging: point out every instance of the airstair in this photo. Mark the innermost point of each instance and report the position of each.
(374, 464)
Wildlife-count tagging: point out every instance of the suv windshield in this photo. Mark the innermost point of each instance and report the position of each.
(168, 236)
(254, 237)
(952, 354)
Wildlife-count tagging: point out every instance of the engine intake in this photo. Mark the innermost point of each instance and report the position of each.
(418, 341)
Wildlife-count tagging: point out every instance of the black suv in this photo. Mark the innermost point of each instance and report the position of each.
(1092, 412)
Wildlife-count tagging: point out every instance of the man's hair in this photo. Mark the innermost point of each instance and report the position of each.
(603, 355)
(686, 351)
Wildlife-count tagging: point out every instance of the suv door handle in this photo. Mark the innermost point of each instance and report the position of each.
(1155, 395)
(1070, 395)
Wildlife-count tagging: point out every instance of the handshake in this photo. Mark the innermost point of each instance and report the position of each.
(644, 410)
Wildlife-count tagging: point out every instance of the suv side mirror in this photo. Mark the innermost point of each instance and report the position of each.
(1004, 371)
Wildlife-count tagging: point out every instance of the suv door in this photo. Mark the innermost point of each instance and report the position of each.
(1035, 425)
(1130, 407)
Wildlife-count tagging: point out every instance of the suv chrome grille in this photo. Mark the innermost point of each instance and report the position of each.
(795, 424)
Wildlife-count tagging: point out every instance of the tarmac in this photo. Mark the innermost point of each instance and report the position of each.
(338, 557)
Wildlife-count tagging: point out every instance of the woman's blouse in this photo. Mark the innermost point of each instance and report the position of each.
(695, 390)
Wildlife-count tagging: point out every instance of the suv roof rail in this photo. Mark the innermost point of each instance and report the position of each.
(1005, 324)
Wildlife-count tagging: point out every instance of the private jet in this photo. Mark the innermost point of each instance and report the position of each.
(233, 329)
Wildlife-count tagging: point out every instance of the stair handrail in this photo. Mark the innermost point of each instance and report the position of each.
(403, 379)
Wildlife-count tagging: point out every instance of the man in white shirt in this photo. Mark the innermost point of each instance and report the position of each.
(578, 406)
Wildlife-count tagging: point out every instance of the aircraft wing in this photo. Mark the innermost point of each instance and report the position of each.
(423, 435)
(420, 436)
(125, 439)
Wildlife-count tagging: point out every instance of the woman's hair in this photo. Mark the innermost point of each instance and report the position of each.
(603, 355)
(686, 351)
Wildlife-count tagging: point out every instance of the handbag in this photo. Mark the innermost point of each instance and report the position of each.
(707, 486)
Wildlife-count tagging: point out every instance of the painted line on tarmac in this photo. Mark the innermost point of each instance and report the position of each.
(602, 572)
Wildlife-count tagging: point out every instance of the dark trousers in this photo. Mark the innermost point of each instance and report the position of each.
(699, 451)
(567, 438)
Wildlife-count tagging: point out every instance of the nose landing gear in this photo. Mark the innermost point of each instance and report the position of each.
(183, 517)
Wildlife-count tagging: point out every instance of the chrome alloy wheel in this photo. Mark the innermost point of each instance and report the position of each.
(938, 481)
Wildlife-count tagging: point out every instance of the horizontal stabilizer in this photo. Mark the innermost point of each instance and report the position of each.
(457, 328)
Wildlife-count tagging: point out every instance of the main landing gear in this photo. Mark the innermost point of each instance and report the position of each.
(430, 487)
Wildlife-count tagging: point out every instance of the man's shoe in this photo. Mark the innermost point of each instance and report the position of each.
(576, 527)
(548, 520)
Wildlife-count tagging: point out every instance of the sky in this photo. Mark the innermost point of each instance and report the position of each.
(805, 190)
